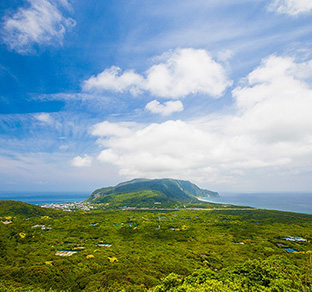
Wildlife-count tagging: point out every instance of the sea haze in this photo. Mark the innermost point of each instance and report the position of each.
(39, 198)
(293, 202)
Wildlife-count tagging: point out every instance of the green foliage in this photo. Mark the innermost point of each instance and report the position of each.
(276, 273)
(138, 199)
(170, 250)
(13, 208)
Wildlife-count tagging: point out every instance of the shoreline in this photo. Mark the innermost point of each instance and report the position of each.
(286, 202)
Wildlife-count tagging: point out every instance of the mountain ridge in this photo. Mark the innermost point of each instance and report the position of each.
(164, 190)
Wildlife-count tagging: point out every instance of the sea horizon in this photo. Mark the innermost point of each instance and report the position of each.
(40, 198)
(299, 202)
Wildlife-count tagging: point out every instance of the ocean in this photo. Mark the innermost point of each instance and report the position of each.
(292, 202)
(40, 198)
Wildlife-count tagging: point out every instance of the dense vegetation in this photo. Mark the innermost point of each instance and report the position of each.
(149, 191)
(140, 250)
(16, 208)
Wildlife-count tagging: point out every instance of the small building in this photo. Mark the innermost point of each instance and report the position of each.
(297, 239)
(39, 226)
(5, 222)
(65, 253)
(104, 245)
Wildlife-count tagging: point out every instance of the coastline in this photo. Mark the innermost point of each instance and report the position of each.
(287, 202)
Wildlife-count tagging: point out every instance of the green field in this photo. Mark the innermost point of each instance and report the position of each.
(157, 250)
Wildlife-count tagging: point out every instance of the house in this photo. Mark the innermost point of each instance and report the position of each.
(65, 253)
(39, 226)
(104, 244)
(6, 222)
(291, 238)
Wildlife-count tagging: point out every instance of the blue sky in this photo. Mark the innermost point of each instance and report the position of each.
(96, 92)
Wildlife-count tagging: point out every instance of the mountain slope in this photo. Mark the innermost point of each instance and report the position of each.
(150, 190)
(17, 208)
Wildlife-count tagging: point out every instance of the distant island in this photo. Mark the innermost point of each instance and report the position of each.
(143, 191)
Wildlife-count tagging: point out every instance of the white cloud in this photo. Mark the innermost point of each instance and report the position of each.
(44, 118)
(110, 129)
(107, 156)
(179, 73)
(165, 109)
(291, 7)
(42, 23)
(155, 149)
(187, 71)
(276, 100)
(112, 79)
(271, 134)
(84, 161)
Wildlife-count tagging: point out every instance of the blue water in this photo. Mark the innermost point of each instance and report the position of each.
(293, 202)
(40, 198)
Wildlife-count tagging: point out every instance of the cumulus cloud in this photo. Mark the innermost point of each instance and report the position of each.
(177, 74)
(291, 7)
(113, 79)
(270, 131)
(84, 161)
(154, 148)
(42, 23)
(165, 109)
(276, 100)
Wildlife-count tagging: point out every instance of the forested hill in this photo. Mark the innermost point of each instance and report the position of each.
(14, 208)
(151, 190)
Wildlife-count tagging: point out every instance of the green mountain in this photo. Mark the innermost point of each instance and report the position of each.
(145, 191)
(14, 208)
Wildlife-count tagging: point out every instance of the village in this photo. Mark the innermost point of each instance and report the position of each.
(72, 206)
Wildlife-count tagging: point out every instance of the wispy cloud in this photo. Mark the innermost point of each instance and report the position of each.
(45, 132)
(41, 23)
(291, 7)
(177, 74)
(51, 171)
